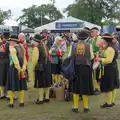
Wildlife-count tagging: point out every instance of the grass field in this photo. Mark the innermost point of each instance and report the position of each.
(57, 110)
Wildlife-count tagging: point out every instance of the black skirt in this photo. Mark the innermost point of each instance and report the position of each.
(43, 79)
(4, 64)
(82, 84)
(56, 68)
(13, 82)
(110, 79)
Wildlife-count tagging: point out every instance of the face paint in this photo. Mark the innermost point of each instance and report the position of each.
(105, 44)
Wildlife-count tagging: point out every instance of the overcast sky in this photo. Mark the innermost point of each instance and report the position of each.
(17, 5)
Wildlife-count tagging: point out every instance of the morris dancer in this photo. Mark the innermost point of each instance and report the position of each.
(4, 63)
(110, 78)
(82, 55)
(17, 67)
(95, 42)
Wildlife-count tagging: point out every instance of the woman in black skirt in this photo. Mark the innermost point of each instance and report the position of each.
(16, 78)
(4, 64)
(56, 55)
(110, 79)
(41, 68)
(82, 84)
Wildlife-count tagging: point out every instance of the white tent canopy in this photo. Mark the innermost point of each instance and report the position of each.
(52, 25)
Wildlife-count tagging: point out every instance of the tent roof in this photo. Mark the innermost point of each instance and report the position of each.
(28, 30)
(51, 26)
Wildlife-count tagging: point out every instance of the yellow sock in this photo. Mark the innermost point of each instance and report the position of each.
(2, 90)
(11, 95)
(96, 85)
(59, 78)
(76, 100)
(46, 93)
(85, 101)
(53, 78)
(41, 94)
(22, 94)
(56, 78)
(108, 96)
(113, 95)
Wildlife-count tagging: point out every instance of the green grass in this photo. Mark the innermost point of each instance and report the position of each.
(57, 110)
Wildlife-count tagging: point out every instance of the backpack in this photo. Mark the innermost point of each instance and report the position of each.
(68, 68)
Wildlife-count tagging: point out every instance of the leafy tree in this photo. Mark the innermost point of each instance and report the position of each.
(4, 15)
(39, 15)
(95, 10)
(109, 22)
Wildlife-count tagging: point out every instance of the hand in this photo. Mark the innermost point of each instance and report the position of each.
(52, 49)
(98, 59)
(23, 69)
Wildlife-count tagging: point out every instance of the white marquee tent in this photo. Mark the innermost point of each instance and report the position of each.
(52, 25)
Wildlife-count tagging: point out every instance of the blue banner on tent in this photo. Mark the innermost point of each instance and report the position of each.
(60, 25)
(109, 29)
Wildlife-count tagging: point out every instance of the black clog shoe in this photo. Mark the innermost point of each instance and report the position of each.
(97, 92)
(75, 110)
(46, 100)
(21, 105)
(39, 102)
(2, 97)
(86, 110)
(11, 106)
(106, 105)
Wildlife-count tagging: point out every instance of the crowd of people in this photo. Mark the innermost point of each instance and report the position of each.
(90, 68)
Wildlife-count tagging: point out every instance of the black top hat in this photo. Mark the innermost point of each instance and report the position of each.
(38, 37)
(94, 28)
(87, 28)
(13, 39)
(107, 37)
(83, 34)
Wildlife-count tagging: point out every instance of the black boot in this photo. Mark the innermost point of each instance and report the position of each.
(86, 110)
(75, 110)
(46, 100)
(97, 92)
(39, 102)
(106, 105)
(21, 105)
(11, 106)
(113, 104)
(2, 97)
